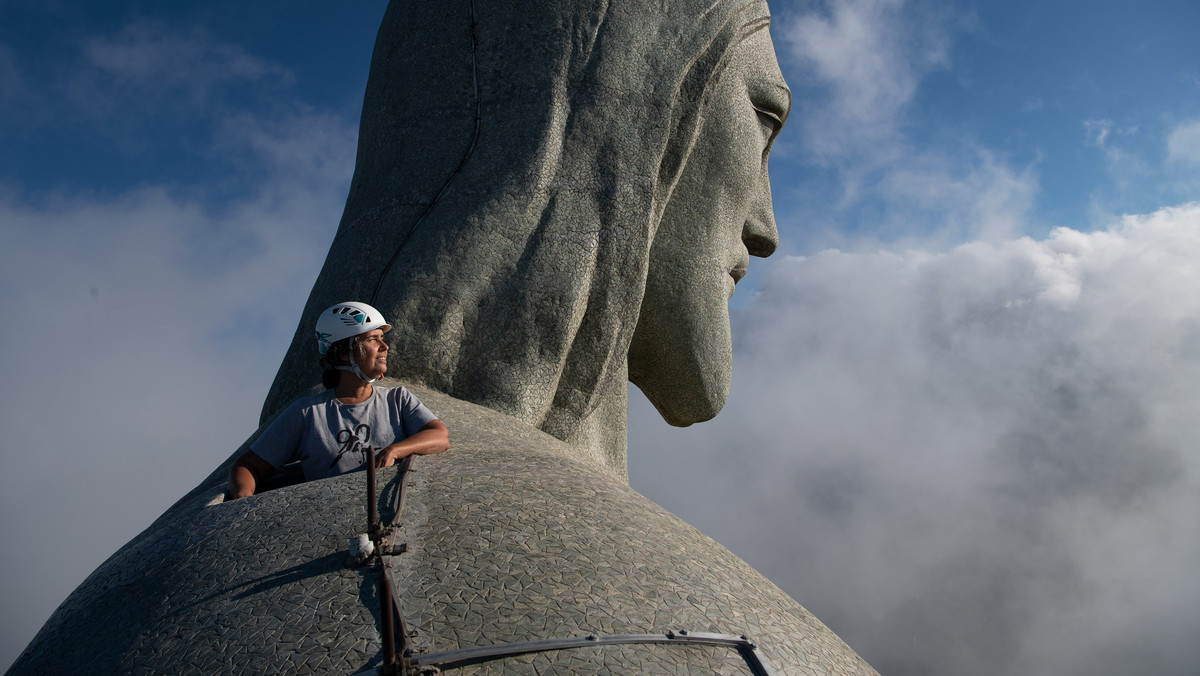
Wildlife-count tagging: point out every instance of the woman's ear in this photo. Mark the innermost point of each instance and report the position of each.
(338, 354)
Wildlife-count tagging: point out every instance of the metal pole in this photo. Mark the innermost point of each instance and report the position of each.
(385, 597)
(386, 618)
(372, 507)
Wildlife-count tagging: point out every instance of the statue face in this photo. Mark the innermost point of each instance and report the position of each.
(718, 216)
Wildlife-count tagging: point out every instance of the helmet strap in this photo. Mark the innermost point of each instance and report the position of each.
(353, 367)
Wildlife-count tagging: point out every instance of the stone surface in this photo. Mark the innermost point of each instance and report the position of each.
(619, 154)
(510, 538)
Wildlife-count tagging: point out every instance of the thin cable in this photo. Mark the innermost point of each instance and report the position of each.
(462, 163)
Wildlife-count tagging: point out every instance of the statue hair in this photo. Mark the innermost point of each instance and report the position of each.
(505, 198)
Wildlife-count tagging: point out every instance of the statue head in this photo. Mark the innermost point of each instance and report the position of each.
(553, 198)
(718, 216)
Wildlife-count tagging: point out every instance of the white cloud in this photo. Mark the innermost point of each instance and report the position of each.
(146, 323)
(1033, 105)
(1097, 132)
(1183, 144)
(1130, 176)
(1104, 134)
(153, 55)
(153, 68)
(976, 197)
(870, 55)
(143, 332)
(1127, 169)
(978, 461)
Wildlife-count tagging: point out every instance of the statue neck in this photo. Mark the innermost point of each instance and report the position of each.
(602, 438)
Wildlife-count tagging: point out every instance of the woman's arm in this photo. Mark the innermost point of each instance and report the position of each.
(433, 437)
(245, 474)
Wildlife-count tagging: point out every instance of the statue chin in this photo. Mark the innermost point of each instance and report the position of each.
(683, 392)
(683, 366)
(681, 411)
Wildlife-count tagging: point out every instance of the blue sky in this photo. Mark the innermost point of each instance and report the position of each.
(1061, 112)
(967, 378)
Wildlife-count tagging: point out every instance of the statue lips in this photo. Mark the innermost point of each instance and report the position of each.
(738, 272)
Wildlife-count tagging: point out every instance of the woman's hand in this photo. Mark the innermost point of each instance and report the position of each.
(390, 455)
(434, 437)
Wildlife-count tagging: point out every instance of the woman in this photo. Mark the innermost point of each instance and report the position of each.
(339, 430)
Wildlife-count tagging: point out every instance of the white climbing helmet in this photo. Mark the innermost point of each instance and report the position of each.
(345, 320)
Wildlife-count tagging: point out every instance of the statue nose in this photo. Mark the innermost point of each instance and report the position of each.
(759, 234)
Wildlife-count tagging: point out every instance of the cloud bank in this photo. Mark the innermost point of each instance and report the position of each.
(144, 326)
(978, 461)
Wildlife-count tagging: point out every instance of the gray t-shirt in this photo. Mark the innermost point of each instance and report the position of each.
(331, 438)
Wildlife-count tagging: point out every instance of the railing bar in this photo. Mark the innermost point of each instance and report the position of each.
(394, 598)
(463, 656)
(386, 615)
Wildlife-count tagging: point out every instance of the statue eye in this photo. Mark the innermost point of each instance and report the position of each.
(772, 101)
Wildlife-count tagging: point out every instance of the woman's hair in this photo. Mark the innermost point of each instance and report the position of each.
(335, 355)
(338, 354)
(508, 186)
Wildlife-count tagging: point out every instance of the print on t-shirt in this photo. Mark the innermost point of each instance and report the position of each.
(354, 442)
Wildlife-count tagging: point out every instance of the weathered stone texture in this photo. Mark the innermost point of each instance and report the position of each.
(509, 539)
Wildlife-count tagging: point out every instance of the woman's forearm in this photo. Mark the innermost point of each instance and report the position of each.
(432, 438)
(246, 473)
(241, 481)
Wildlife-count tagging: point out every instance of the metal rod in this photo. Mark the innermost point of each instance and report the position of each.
(372, 502)
(385, 617)
(401, 626)
(466, 656)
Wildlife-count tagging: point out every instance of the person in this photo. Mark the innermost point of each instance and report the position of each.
(547, 226)
(340, 429)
